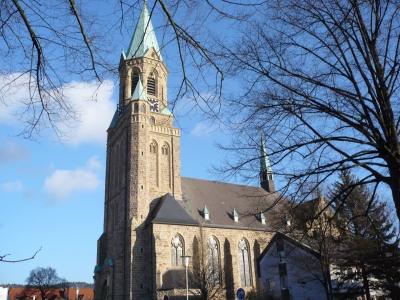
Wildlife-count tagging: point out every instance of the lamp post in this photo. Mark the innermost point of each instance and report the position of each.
(185, 259)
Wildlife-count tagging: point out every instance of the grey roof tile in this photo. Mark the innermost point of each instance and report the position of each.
(168, 210)
(221, 198)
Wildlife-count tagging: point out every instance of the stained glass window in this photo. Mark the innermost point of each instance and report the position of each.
(177, 250)
(213, 258)
(243, 251)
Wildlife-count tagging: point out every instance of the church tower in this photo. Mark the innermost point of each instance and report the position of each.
(143, 164)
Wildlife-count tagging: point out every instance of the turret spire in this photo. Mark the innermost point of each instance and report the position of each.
(266, 173)
(139, 93)
(144, 37)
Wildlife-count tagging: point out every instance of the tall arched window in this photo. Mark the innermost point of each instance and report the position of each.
(136, 108)
(243, 251)
(143, 108)
(165, 150)
(213, 258)
(153, 166)
(153, 147)
(134, 81)
(177, 250)
(151, 85)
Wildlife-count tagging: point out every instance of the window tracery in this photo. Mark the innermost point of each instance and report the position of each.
(243, 251)
(213, 258)
(177, 250)
(165, 149)
(153, 147)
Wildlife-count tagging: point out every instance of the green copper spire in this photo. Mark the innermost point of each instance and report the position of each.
(139, 92)
(144, 37)
(265, 165)
(266, 174)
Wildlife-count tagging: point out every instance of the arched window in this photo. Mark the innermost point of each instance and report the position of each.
(165, 149)
(143, 108)
(176, 250)
(243, 251)
(151, 85)
(152, 121)
(153, 147)
(213, 259)
(134, 81)
(136, 108)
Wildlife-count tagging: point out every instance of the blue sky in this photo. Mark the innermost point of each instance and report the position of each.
(52, 192)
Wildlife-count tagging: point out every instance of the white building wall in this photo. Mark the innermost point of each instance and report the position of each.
(302, 269)
(4, 293)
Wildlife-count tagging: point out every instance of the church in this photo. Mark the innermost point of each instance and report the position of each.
(153, 216)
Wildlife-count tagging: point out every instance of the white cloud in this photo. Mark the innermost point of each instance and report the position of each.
(11, 186)
(202, 128)
(13, 88)
(93, 103)
(11, 152)
(97, 109)
(63, 182)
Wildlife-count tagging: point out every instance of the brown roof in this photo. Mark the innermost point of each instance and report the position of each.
(220, 199)
(22, 293)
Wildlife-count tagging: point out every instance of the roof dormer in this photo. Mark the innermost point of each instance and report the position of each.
(206, 213)
(262, 218)
(235, 216)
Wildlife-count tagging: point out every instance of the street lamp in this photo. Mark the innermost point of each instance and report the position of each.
(185, 259)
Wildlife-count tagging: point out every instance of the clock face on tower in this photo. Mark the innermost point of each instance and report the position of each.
(153, 104)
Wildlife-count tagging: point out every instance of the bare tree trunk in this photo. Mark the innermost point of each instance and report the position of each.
(395, 185)
(365, 282)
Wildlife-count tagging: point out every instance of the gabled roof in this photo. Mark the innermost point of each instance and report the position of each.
(144, 37)
(221, 198)
(169, 211)
(114, 119)
(139, 92)
(166, 111)
(279, 236)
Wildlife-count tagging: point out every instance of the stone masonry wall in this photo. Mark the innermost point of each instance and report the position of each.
(228, 240)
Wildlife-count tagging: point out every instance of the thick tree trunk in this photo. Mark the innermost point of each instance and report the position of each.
(394, 171)
(365, 282)
(330, 292)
